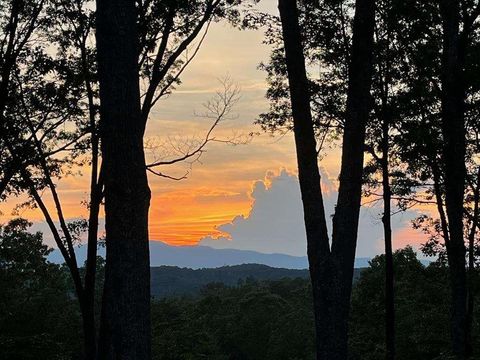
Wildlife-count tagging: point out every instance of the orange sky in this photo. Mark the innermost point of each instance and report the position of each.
(218, 188)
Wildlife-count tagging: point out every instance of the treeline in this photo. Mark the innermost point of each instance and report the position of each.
(274, 319)
(250, 320)
(167, 281)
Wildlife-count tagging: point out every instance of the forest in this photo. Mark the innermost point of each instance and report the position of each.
(390, 85)
(243, 317)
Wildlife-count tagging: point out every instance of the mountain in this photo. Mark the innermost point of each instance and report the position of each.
(168, 281)
(197, 257)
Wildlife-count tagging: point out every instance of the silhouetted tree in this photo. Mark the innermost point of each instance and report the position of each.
(406, 92)
(125, 326)
(453, 131)
(129, 48)
(52, 110)
(19, 22)
(440, 104)
(53, 132)
(331, 268)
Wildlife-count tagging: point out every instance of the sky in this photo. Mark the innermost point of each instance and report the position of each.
(243, 196)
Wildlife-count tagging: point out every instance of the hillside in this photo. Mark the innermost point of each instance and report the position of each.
(168, 281)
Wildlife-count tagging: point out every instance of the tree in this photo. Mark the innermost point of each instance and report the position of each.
(453, 131)
(40, 99)
(327, 43)
(381, 144)
(129, 49)
(421, 304)
(407, 102)
(441, 99)
(38, 316)
(331, 268)
(19, 22)
(125, 327)
(52, 113)
(255, 320)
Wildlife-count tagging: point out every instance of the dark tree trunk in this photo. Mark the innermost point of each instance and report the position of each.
(387, 232)
(345, 221)
(125, 320)
(471, 266)
(331, 271)
(89, 330)
(309, 175)
(96, 196)
(89, 325)
(385, 118)
(453, 129)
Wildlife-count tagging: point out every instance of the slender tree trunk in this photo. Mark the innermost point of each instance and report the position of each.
(331, 270)
(88, 315)
(386, 121)
(453, 129)
(96, 187)
(387, 232)
(345, 221)
(470, 294)
(125, 320)
(471, 266)
(318, 248)
(89, 324)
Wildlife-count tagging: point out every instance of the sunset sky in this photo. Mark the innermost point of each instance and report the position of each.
(243, 196)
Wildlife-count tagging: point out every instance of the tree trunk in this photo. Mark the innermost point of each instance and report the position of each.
(309, 177)
(89, 329)
(453, 129)
(331, 271)
(345, 221)
(471, 266)
(89, 324)
(387, 232)
(125, 320)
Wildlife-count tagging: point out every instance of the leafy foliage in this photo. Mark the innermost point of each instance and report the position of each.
(274, 319)
(270, 319)
(38, 316)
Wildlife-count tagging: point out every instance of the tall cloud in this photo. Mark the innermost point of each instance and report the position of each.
(275, 222)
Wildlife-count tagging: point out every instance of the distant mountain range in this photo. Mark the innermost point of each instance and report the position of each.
(198, 257)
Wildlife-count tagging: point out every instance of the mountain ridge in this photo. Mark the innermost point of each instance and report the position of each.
(172, 281)
(198, 257)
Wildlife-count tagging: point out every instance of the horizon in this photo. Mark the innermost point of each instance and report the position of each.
(186, 256)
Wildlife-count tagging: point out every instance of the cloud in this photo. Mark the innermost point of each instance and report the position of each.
(275, 222)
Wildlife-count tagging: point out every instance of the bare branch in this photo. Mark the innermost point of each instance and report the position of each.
(165, 89)
(168, 176)
(159, 72)
(218, 109)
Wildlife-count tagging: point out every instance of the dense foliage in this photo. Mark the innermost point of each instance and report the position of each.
(39, 318)
(249, 319)
(274, 319)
